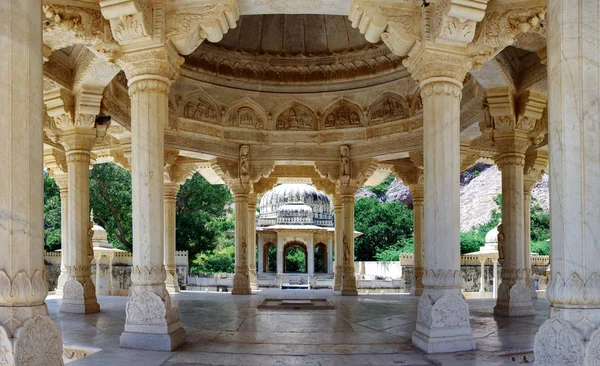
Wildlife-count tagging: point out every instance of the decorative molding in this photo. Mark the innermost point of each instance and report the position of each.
(38, 342)
(388, 107)
(559, 341)
(342, 114)
(442, 278)
(145, 307)
(22, 289)
(199, 106)
(574, 290)
(147, 276)
(296, 117)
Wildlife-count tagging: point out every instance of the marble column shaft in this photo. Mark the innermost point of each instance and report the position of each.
(527, 241)
(28, 336)
(252, 201)
(338, 242)
(418, 197)
(151, 323)
(261, 256)
(514, 297)
(79, 292)
(280, 258)
(241, 281)
(63, 185)
(441, 278)
(329, 256)
(348, 279)
(571, 336)
(170, 201)
(310, 256)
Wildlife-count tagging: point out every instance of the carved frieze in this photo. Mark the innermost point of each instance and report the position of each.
(297, 117)
(246, 117)
(200, 108)
(344, 115)
(387, 108)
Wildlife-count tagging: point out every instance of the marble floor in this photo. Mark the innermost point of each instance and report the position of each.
(229, 330)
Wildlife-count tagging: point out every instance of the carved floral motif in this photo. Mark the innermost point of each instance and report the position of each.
(143, 275)
(558, 343)
(145, 307)
(38, 343)
(6, 352)
(295, 118)
(574, 290)
(22, 289)
(450, 311)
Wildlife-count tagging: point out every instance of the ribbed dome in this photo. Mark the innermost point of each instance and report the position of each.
(295, 204)
(492, 236)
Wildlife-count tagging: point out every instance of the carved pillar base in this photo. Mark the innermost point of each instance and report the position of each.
(416, 288)
(79, 292)
(337, 278)
(62, 279)
(29, 337)
(152, 323)
(172, 283)
(241, 281)
(252, 277)
(531, 284)
(443, 315)
(514, 296)
(349, 282)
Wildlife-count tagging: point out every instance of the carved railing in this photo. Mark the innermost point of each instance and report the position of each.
(472, 259)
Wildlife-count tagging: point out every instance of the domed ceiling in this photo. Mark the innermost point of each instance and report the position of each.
(293, 49)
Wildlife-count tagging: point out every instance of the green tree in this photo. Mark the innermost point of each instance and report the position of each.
(52, 237)
(295, 259)
(392, 253)
(381, 189)
(203, 215)
(110, 199)
(383, 225)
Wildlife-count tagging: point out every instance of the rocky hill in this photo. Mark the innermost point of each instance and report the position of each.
(479, 186)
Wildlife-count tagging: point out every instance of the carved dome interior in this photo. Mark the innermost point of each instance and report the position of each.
(292, 49)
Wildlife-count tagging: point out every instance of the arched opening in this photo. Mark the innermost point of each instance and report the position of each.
(295, 257)
(270, 257)
(320, 258)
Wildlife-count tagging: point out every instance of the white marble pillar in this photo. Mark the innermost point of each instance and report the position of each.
(62, 182)
(79, 292)
(418, 197)
(482, 276)
(329, 256)
(252, 201)
(261, 257)
(495, 285)
(152, 322)
(443, 315)
(310, 254)
(338, 238)
(111, 257)
(572, 334)
(170, 200)
(241, 281)
(97, 258)
(280, 258)
(514, 297)
(527, 242)
(348, 279)
(27, 334)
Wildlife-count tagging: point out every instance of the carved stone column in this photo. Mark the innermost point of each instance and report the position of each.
(349, 279)
(27, 334)
(443, 315)
(252, 201)
(329, 255)
(536, 162)
(170, 200)
(152, 322)
(514, 122)
(63, 185)
(417, 193)
(79, 294)
(241, 280)
(280, 258)
(310, 256)
(571, 336)
(338, 242)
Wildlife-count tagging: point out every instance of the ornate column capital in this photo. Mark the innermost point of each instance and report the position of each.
(438, 64)
(151, 67)
(536, 163)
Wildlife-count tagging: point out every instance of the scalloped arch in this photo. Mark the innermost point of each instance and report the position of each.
(342, 113)
(247, 113)
(199, 106)
(295, 116)
(388, 107)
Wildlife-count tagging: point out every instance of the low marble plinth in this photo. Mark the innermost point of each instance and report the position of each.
(442, 341)
(153, 341)
(88, 306)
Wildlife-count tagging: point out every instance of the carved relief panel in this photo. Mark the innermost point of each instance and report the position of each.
(296, 117)
(343, 116)
(387, 108)
(200, 108)
(246, 117)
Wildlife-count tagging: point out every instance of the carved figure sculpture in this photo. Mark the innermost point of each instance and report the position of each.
(244, 163)
(500, 244)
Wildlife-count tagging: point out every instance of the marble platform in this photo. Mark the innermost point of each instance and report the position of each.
(229, 330)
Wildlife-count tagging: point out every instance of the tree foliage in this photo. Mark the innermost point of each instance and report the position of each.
(110, 199)
(381, 189)
(383, 225)
(52, 238)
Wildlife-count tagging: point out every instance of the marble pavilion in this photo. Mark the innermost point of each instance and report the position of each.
(338, 93)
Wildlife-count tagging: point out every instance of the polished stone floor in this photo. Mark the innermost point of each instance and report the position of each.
(229, 330)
